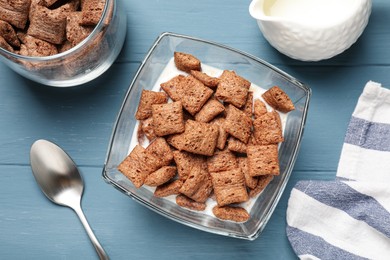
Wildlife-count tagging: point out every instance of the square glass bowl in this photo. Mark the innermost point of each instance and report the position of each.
(222, 57)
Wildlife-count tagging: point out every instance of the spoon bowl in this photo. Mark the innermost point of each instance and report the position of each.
(59, 179)
(56, 173)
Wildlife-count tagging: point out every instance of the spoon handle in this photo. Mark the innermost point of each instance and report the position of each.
(99, 249)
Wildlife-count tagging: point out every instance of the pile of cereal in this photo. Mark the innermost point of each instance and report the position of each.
(46, 27)
(212, 138)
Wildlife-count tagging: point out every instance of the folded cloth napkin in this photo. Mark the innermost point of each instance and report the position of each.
(349, 218)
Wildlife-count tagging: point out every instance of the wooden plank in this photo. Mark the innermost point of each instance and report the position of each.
(127, 230)
(81, 120)
(230, 23)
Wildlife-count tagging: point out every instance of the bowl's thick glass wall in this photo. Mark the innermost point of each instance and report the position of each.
(222, 57)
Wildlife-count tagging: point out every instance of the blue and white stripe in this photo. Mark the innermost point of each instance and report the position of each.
(368, 135)
(349, 218)
(308, 245)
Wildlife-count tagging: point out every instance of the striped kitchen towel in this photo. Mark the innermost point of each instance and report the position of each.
(349, 218)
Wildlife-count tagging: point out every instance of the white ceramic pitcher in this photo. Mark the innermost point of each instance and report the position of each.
(311, 30)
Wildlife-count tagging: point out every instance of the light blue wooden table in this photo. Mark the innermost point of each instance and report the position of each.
(81, 120)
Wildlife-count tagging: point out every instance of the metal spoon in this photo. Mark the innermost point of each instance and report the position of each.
(60, 181)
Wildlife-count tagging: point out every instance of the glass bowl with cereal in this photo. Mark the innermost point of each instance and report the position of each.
(61, 43)
(207, 136)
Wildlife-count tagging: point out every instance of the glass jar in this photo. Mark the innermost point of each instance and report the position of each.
(82, 63)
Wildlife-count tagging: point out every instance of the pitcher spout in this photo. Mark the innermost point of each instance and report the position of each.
(258, 9)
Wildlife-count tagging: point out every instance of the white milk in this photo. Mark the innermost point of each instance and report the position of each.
(314, 12)
(171, 71)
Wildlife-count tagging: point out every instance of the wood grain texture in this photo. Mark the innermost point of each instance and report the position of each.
(81, 120)
(126, 229)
